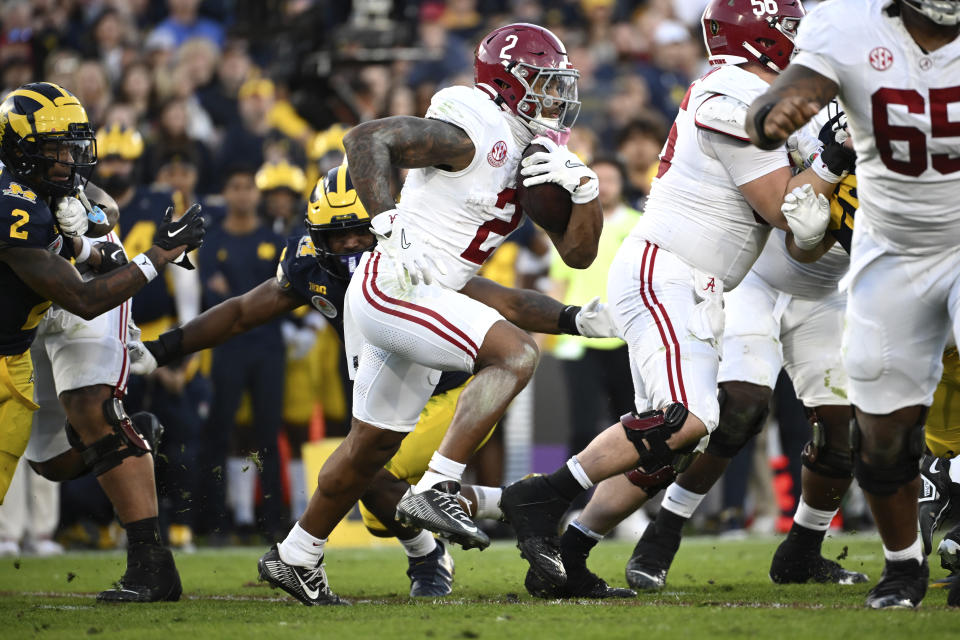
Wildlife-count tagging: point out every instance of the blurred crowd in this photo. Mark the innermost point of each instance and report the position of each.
(242, 105)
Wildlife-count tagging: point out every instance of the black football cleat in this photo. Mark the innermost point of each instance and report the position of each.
(439, 510)
(431, 576)
(902, 585)
(934, 504)
(953, 596)
(585, 585)
(947, 581)
(534, 509)
(791, 565)
(308, 585)
(151, 576)
(647, 568)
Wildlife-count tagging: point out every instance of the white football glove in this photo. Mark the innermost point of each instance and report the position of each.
(411, 253)
(142, 361)
(807, 215)
(594, 320)
(71, 217)
(561, 166)
(298, 339)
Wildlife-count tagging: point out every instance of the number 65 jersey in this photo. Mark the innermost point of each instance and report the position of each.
(903, 108)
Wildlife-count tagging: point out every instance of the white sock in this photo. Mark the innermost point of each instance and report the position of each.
(300, 548)
(955, 470)
(488, 502)
(813, 519)
(680, 501)
(914, 551)
(442, 469)
(419, 545)
(578, 473)
(298, 488)
(587, 531)
(241, 484)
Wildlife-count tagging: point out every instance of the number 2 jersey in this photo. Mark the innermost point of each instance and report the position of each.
(300, 273)
(25, 221)
(903, 108)
(468, 213)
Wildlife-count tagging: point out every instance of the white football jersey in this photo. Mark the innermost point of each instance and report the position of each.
(695, 209)
(468, 213)
(810, 281)
(903, 108)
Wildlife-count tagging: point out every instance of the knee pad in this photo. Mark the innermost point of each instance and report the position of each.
(649, 432)
(734, 432)
(821, 456)
(132, 436)
(885, 478)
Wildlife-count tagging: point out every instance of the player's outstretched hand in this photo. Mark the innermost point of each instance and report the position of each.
(412, 254)
(185, 233)
(71, 217)
(560, 166)
(142, 360)
(594, 320)
(807, 215)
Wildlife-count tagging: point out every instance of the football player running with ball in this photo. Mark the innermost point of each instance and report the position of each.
(894, 67)
(708, 216)
(316, 269)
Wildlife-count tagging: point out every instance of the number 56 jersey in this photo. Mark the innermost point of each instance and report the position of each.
(903, 108)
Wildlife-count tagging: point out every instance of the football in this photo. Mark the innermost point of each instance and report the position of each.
(547, 204)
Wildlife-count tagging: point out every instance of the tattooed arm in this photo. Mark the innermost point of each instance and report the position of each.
(404, 142)
(54, 278)
(791, 101)
(530, 310)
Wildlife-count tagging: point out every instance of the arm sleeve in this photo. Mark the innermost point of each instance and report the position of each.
(743, 161)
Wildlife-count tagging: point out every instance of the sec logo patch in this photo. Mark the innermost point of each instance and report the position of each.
(498, 154)
(324, 306)
(881, 58)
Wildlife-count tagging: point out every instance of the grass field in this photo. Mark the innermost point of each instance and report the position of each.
(716, 589)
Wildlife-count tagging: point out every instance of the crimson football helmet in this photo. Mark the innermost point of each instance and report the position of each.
(525, 68)
(738, 31)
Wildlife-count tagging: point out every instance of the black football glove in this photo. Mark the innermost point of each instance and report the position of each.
(111, 257)
(167, 347)
(838, 158)
(188, 230)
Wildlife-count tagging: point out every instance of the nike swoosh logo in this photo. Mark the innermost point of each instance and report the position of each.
(173, 233)
(403, 240)
(572, 165)
(311, 593)
(933, 465)
(554, 562)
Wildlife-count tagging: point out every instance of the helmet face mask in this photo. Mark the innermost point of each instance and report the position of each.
(741, 31)
(46, 139)
(334, 211)
(525, 69)
(942, 12)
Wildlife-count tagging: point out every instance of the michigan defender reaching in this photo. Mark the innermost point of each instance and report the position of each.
(893, 64)
(315, 269)
(47, 149)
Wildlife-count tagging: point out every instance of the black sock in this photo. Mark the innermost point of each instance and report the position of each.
(801, 536)
(142, 533)
(564, 483)
(669, 524)
(576, 543)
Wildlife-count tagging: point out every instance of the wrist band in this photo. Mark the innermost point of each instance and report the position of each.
(821, 169)
(568, 320)
(85, 247)
(146, 266)
(759, 117)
